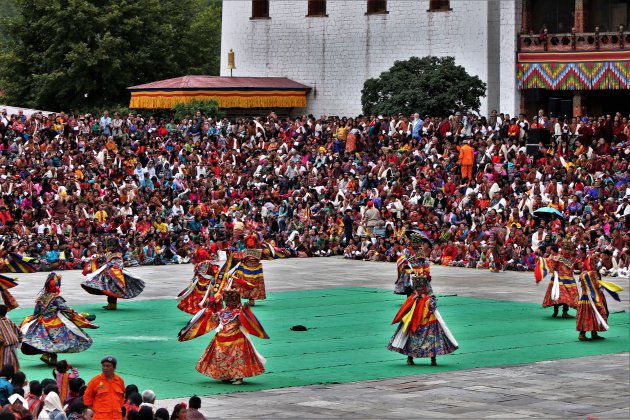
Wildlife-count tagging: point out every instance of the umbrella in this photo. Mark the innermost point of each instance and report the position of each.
(548, 213)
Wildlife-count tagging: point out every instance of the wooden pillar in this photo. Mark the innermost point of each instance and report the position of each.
(577, 104)
(526, 20)
(580, 16)
(521, 102)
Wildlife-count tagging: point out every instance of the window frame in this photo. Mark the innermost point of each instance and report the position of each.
(262, 16)
(444, 6)
(375, 9)
(319, 5)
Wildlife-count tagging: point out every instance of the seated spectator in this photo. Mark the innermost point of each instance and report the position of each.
(192, 413)
(148, 400)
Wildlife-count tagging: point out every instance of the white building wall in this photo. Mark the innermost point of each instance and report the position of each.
(336, 54)
(510, 21)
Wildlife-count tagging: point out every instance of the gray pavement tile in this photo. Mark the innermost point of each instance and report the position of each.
(520, 402)
(503, 415)
(459, 403)
(621, 413)
(490, 413)
(419, 413)
(530, 413)
(565, 407)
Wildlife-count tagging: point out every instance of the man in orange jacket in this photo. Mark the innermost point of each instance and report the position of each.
(105, 393)
(467, 158)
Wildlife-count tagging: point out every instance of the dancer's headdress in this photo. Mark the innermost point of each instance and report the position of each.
(231, 297)
(251, 241)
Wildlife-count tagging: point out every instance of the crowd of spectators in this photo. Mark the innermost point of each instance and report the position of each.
(317, 186)
(67, 396)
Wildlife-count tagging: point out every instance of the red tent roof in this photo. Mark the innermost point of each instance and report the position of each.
(219, 82)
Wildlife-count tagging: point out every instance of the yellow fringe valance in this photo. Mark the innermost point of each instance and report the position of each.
(282, 99)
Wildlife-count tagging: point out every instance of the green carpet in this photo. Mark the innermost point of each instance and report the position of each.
(348, 331)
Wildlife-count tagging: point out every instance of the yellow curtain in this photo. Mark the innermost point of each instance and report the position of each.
(294, 100)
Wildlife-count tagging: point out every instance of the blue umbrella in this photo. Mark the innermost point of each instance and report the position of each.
(548, 212)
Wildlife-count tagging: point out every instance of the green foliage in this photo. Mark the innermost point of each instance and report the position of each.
(85, 53)
(207, 108)
(7, 9)
(429, 85)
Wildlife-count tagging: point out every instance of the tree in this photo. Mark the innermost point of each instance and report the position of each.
(7, 8)
(85, 53)
(429, 85)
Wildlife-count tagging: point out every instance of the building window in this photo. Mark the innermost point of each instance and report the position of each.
(377, 6)
(557, 16)
(260, 9)
(317, 8)
(439, 5)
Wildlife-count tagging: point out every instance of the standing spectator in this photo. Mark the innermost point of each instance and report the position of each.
(106, 124)
(371, 218)
(64, 372)
(105, 393)
(10, 338)
(416, 126)
(347, 226)
(467, 158)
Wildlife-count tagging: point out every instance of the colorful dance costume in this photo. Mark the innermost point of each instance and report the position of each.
(114, 281)
(562, 289)
(10, 334)
(8, 300)
(54, 327)
(250, 269)
(592, 311)
(190, 299)
(231, 355)
(421, 331)
(408, 266)
(496, 240)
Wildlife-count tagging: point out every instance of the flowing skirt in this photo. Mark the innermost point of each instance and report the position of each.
(230, 356)
(190, 304)
(586, 320)
(568, 295)
(193, 295)
(252, 274)
(427, 341)
(114, 282)
(55, 335)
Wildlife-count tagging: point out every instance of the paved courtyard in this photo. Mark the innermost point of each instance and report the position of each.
(596, 385)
